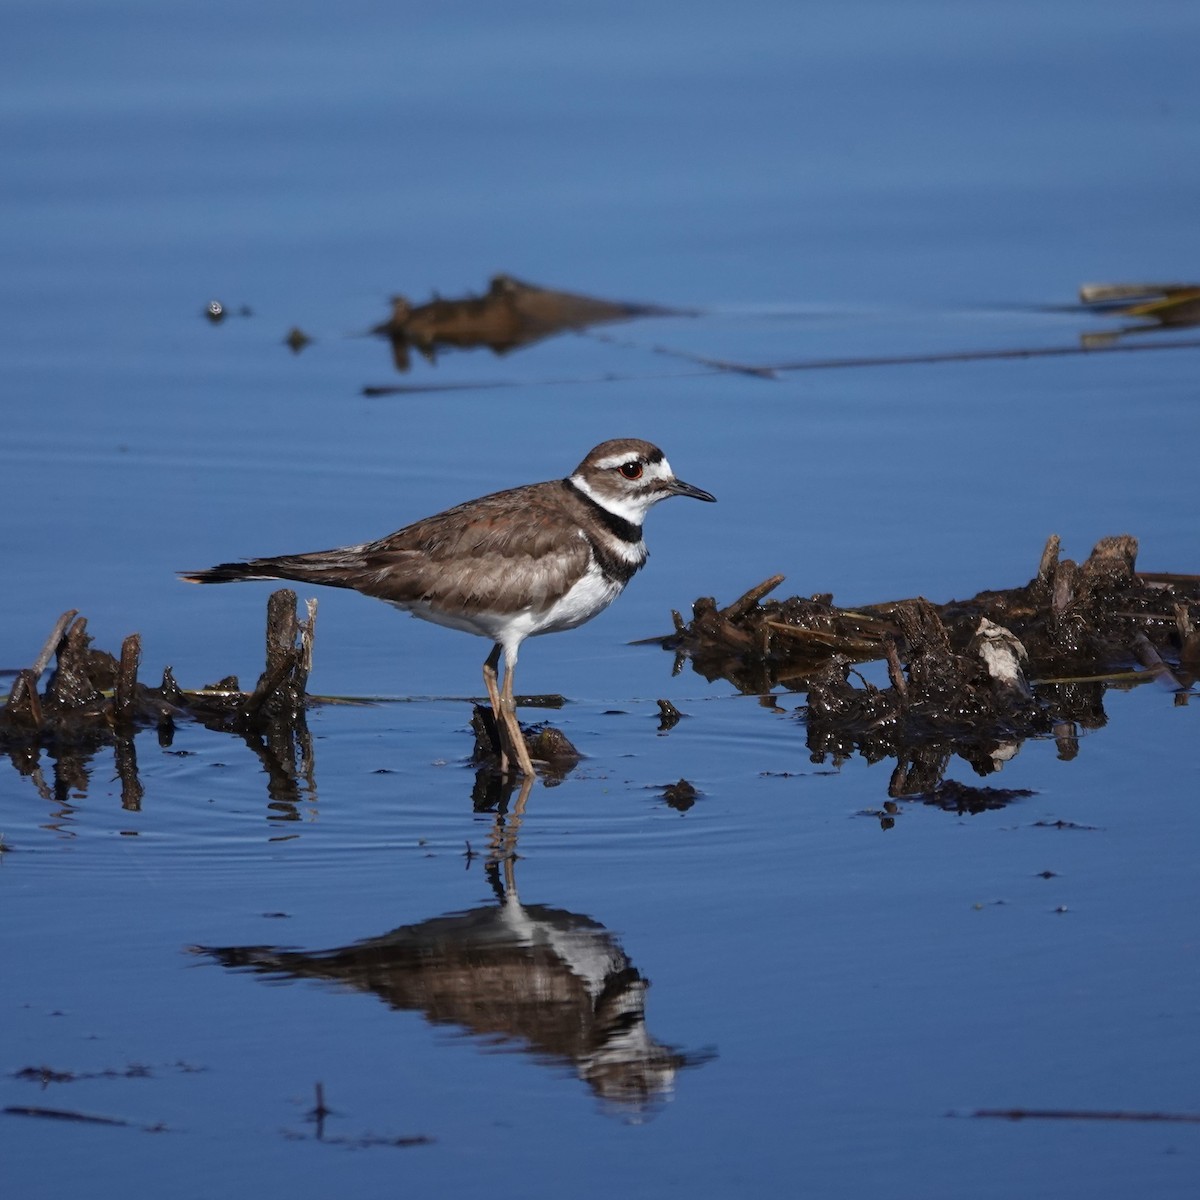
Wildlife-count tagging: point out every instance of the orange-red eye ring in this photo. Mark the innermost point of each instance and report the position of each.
(631, 470)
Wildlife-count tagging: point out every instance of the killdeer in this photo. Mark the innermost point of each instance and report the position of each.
(511, 565)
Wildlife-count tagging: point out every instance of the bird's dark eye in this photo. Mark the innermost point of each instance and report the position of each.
(631, 470)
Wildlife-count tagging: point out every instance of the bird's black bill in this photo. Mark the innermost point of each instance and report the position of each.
(679, 488)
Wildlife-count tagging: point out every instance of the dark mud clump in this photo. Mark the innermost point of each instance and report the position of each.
(972, 678)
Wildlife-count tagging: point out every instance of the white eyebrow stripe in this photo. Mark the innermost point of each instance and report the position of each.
(618, 460)
(615, 460)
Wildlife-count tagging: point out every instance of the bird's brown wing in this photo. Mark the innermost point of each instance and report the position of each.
(463, 557)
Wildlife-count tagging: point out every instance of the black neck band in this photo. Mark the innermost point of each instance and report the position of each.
(623, 530)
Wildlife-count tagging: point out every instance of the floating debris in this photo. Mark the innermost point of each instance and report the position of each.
(973, 678)
(680, 796)
(668, 716)
(297, 339)
(216, 312)
(1175, 304)
(509, 315)
(1098, 617)
(92, 700)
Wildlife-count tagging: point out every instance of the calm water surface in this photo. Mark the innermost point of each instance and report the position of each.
(766, 993)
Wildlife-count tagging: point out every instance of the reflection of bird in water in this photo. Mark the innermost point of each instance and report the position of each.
(556, 983)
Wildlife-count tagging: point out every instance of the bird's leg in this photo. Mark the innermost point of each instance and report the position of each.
(493, 691)
(508, 709)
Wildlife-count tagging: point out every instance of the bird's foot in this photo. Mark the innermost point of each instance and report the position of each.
(499, 738)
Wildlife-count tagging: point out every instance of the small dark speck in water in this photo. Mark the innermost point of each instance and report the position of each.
(297, 339)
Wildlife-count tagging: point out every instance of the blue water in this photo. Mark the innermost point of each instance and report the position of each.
(824, 181)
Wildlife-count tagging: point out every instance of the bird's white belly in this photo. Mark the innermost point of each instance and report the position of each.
(592, 593)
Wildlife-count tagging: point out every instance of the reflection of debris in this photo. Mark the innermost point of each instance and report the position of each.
(93, 700)
(68, 1114)
(509, 315)
(319, 1115)
(962, 798)
(950, 796)
(668, 716)
(297, 339)
(552, 983)
(45, 1076)
(958, 671)
(1085, 1114)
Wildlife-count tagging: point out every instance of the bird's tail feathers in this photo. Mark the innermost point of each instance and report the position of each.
(327, 568)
